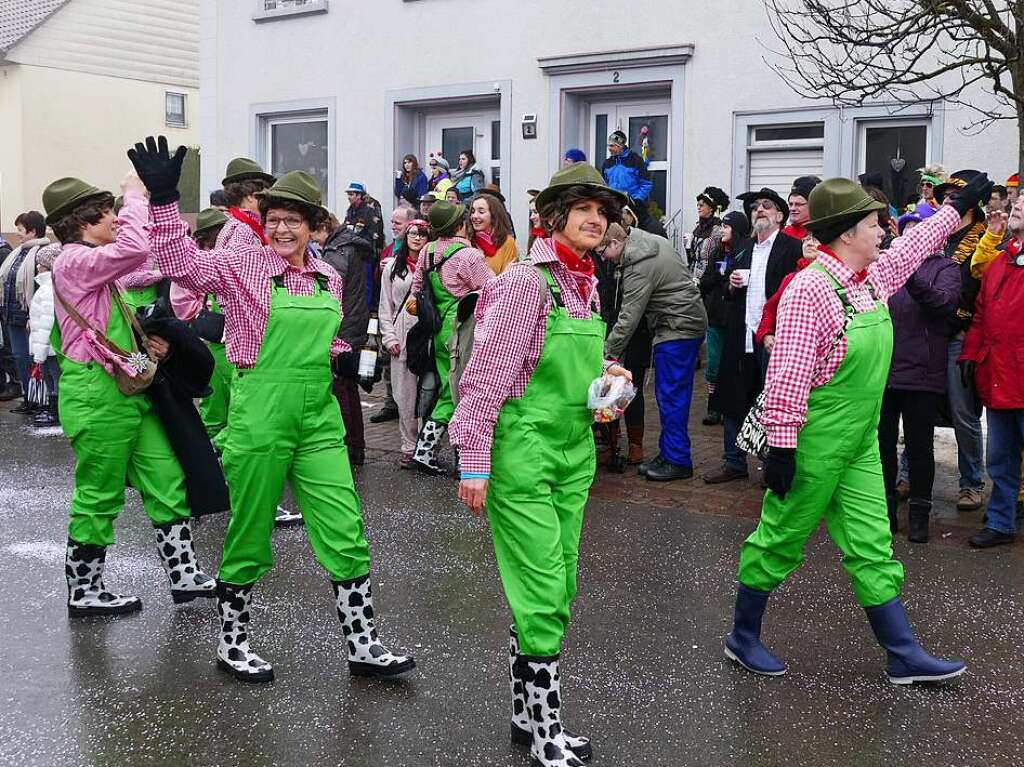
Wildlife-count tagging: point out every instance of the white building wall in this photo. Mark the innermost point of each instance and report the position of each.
(357, 53)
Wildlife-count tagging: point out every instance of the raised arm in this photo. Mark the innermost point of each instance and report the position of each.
(203, 271)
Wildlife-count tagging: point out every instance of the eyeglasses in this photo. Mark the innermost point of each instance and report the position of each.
(764, 204)
(433, 164)
(290, 223)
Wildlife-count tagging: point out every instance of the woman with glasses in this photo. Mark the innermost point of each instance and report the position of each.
(282, 310)
(395, 290)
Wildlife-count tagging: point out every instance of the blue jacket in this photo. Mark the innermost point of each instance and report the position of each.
(628, 173)
(417, 188)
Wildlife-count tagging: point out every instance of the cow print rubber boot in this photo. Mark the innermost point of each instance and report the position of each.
(83, 567)
(174, 542)
(425, 456)
(544, 705)
(285, 518)
(233, 653)
(522, 730)
(366, 655)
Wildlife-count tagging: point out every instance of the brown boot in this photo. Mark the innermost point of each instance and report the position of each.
(611, 445)
(635, 435)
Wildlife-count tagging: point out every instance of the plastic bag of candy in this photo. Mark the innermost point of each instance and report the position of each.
(609, 396)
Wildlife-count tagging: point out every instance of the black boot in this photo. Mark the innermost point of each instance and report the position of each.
(48, 415)
(25, 408)
(892, 503)
(918, 512)
(743, 643)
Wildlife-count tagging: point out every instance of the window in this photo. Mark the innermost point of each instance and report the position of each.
(299, 142)
(896, 149)
(174, 110)
(777, 154)
(273, 9)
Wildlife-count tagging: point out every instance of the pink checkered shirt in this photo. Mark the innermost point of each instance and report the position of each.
(240, 277)
(463, 273)
(511, 323)
(811, 314)
(146, 275)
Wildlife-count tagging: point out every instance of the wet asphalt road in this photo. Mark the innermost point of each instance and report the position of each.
(643, 671)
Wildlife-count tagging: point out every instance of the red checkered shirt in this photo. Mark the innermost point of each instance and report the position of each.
(463, 273)
(240, 277)
(511, 323)
(811, 314)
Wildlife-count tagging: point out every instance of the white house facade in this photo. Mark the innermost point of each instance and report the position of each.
(344, 90)
(80, 79)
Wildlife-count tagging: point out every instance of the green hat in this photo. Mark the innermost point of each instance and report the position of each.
(443, 214)
(243, 169)
(839, 200)
(577, 174)
(60, 197)
(209, 219)
(297, 186)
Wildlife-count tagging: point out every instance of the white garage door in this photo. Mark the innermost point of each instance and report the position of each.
(776, 169)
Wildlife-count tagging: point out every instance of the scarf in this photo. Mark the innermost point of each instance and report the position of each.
(1013, 248)
(485, 242)
(579, 266)
(246, 217)
(969, 243)
(25, 277)
(538, 233)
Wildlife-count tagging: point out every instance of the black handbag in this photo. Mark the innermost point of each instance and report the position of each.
(419, 344)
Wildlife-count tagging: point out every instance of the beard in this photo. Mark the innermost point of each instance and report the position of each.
(762, 225)
(1016, 224)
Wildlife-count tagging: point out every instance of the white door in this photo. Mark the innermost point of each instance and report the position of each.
(647, 127)
(450, 134)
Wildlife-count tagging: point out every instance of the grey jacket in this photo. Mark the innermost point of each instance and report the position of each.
(656, 283)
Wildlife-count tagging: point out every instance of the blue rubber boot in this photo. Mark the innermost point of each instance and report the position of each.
(908, 662)
(743, 643)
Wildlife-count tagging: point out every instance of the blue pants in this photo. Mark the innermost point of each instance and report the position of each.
(22, 357)
(966, 423)
(1005, 442)
(675, 364)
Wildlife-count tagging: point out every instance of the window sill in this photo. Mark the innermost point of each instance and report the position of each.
(309, 9)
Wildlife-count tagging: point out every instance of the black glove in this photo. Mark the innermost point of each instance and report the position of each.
(346, 365)
(978, 190)
(158, 170)
(779, 470)
(966, 373)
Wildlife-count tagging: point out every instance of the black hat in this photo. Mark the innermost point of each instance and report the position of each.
(874, 178)
(957, 180)
(739, 223)
(714, 197)
(764, 194)
(803, 186)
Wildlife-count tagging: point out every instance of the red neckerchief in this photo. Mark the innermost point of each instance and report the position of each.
(246, 217)
(538, 233)
(798, 231)
(1013, 248)
(859, 276)
(575, 264)
(485, 242)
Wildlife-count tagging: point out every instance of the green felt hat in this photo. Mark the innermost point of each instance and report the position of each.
(296, 186)
(207, 219)
(577, 174)
(837, 200)
(443, 214)
(64, 194)
(243, 169)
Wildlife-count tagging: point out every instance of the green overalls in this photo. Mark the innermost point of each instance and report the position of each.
(136, 297)
(542, 466)
(285, 424)
(838, 475)
(446, 305)
(115, 439)
(214, 409)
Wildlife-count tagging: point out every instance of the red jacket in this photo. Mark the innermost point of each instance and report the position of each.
(995, 340)
(771, 307)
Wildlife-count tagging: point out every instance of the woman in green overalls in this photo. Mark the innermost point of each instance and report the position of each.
(282, 311)
(822, 399)
(523, 430)
(454, 269)
(117, 439)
